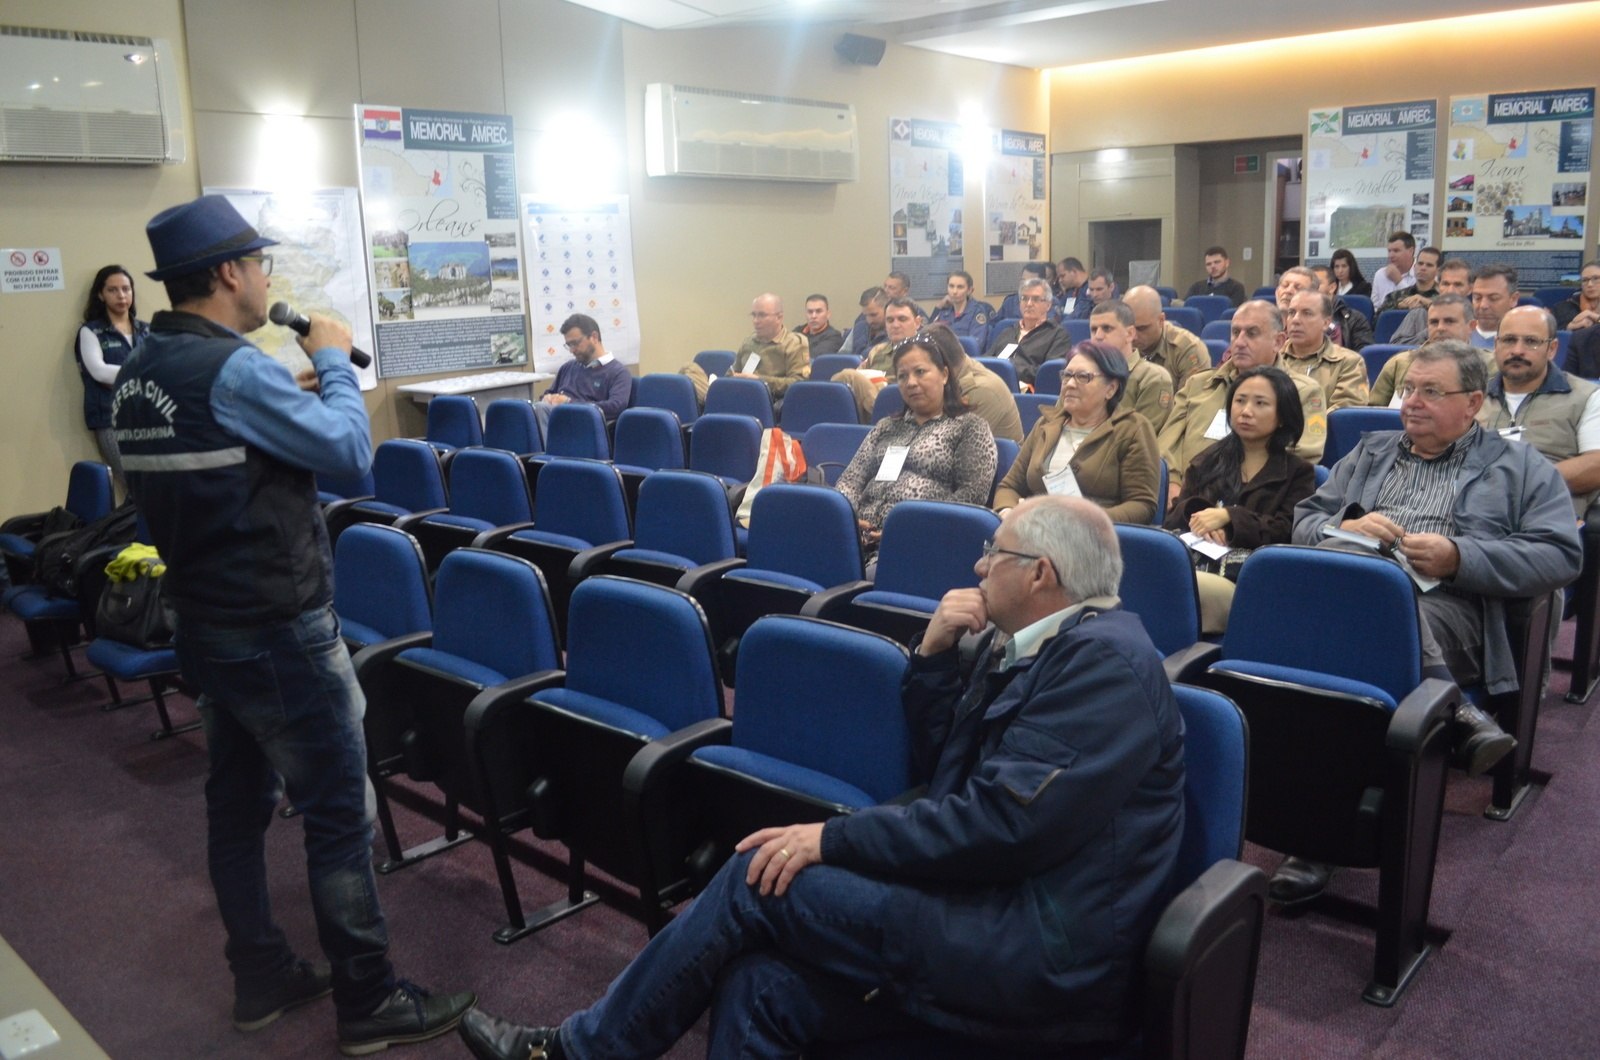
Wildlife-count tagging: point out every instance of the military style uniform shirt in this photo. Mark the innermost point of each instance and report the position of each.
(784, 360)
(1181, 353)
(1198, 418)
(1341, 372)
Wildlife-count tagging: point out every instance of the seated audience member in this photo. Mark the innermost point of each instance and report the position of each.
(877, 364)
(1582, 310)
(820, 334)
(1053, 278)
(1148, 390)
(817, 934)
(773, 355)
(1073, 281)
(1584, 353)
(1419, 294)
(1308, 351)
(1101, 288)
(1088, 444)
(1292, 281)
(983, 392)
(1494, 293)
(1533, 401)
(1481, 518)
(1217, 280)
(1347, 276)
(1401, 270)
(1011, 306)
(1242, 491)
(592, 377)
(961, 313)
(1347, 327)
(1449, 317)
(935, 450)
(1034, 339)
(1199, 416)
(1455, 277)
(866, 332)
(1163, 343)
(898, 285)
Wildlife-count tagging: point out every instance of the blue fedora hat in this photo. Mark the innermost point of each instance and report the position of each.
(199, 234)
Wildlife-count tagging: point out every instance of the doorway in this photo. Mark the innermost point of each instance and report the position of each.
(1285, 216)
(1113, 244)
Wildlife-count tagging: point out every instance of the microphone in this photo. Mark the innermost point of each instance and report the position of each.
(284, 316)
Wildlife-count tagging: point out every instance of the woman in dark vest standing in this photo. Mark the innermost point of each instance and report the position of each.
(111, 329)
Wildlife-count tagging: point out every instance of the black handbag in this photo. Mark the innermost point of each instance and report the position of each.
(135, 612)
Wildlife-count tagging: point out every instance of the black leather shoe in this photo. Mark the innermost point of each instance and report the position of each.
(410, 1014)
(301, 983)
(1480, 742)
(1298, 880)
(491, 1038)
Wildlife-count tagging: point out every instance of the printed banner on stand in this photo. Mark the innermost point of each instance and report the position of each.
(439, 191)
(1015, 208)
(926, 185)
(580, 260)
(1370, 172)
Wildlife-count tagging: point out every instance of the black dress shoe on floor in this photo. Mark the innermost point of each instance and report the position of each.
(1480, 742)
(1298, 880)
(410, 1014)
(491, 1038)
(303, 982)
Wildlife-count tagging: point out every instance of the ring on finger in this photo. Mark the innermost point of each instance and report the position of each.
(785, 853)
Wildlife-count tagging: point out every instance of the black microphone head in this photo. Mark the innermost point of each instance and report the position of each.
(281, 314)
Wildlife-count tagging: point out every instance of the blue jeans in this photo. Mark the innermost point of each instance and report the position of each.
(783, 972)
(282, 711)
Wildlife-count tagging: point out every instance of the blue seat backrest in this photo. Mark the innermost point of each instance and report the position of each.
(1209, 306)
(1190, 320)
(578, 429)
(1047, 380)
(1158, 586)
(831, 446)
(930, 547)
(453, 421)
(89, 490)
(828, 365)
(684, 513)
(741, 397)
(582, 499)
(1005, 452)
(380, 580)
(826, 697)
(1361, 304)
(1366, 628)
(1216, 755)
(1216, 347)
(807, 403)
(1346, 425)
(346, 487)
(1030, 406)
(510, 424)
(804, 531)
(1002, 367)
(406, 473)
(1377, 355)
(1217, 329)
(494, 610)
(650, 438)
(889, 402)
(725, 445)
(489, 484)
(670, 391)
(715, 362)
(1387, 323)
(662, 665)
(1077, 330)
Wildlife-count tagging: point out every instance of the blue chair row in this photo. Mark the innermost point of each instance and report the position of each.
(89, 498)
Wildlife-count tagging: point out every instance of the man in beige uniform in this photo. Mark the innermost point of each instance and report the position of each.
(1449, 317)
(1149, 386)
(1198, 419)
(877, 366)
(1163, 344)
(781, 356)
(1308, 351)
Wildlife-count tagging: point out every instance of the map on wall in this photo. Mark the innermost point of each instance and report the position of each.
(926, 187)
(439, 190)
(1370, 172)
(580, 260)
(317, 266)
(1016, 215)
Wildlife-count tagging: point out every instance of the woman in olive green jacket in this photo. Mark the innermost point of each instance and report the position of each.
(1084, 446)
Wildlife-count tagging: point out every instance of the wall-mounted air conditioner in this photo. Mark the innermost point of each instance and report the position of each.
(707, 132)
(68, 96)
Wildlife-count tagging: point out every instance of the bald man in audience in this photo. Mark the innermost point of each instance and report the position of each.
(1149, 386)
(1455, 277)
(1199, 416)
(1163, 343)
(1449, 317)
(773, 354)
(1308, 351)
(877, 367)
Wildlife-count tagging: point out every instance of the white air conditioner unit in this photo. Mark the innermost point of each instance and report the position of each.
(67, 96)
(706, 132)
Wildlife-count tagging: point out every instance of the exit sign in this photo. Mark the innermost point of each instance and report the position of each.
(1247, 163)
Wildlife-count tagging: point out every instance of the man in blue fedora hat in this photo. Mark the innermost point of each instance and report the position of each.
(221, 449)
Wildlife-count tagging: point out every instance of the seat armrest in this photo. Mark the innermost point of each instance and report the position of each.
(492, 538)
(1186, 664)
(659, 756)
(28, 524)
(1432, 702)
(829, 601)
(697, 582)
(488, 706)
(374, 657)
(585, 562)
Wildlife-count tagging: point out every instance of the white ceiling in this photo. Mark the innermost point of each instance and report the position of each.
(1046, 33)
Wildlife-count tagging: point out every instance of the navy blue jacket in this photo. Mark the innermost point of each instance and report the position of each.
(1042, 851)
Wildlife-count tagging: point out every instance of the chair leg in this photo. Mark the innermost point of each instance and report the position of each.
(1586, 635)
(577, 899)
(1519, 715)
(399, 858)
(1405, 878)
(167, 730)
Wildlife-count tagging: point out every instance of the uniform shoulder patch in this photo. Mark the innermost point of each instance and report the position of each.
(981, 318)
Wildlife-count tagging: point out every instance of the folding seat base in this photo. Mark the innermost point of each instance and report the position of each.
(577, 900)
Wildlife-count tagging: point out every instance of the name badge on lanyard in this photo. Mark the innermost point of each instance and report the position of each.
(894, 458)
(1062, 483)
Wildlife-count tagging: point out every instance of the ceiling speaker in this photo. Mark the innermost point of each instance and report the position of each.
(863, 51)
